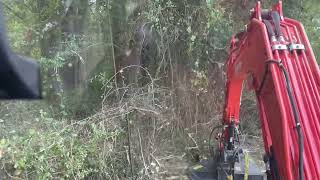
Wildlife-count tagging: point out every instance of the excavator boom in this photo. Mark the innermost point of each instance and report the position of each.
(275, 57)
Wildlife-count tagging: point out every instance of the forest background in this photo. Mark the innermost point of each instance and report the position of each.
(100, 119)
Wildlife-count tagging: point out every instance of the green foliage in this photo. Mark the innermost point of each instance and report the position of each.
(311, 21)
(59, 145)
(307, 13)
(192, 33)
(59, 150)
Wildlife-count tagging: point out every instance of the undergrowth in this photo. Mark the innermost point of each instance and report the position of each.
(125, 132)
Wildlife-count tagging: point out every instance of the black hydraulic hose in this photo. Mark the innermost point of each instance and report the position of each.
(271, 35)
(297, 121)
(265, 13)
(269, 28)
(294, 108)
(264, 78)
(276, 20)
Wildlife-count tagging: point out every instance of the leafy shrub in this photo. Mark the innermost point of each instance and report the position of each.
(61, 150)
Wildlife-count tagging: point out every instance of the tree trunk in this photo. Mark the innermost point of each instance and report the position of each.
(73, 27)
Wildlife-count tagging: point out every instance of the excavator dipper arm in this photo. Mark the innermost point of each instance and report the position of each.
(275, 58)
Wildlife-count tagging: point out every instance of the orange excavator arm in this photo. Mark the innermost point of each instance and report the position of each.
(275, 57)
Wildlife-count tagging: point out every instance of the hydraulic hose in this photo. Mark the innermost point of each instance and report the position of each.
(269, 28)
(294, 108)
(297, 121)
(276, 20)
